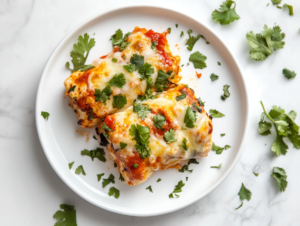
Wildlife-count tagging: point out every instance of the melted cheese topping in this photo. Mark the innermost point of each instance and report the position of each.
(86, 82)
(162, 155)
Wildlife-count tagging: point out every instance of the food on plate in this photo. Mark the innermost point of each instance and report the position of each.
(161, 133)
(139, 64)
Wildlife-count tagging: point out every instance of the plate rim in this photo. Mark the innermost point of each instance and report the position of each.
(102, 204)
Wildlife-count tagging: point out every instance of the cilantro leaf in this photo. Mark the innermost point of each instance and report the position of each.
(105, 127)
(217, 149)
(276, 2)
(264, 126)
(290, 8)
(190, 118)
(96, 153)
(219, 63)
(226, 92)
(280, 176)
(135, 165)
(216, 114)
(118, 39)
(184, 144)
(118, 80)
(80, 170)
(104, 95)
(288, 73)
(149, 188)
(177, 189)
(244, 193)
(153, 45)
(182, 34)
(198, 60)
(185, 168)
(123, 145)
(86, 67)
(201, 103)
(227, 13)
(99, 176)
(121, 178)
(190, 42)
(256, 174)
(119, 101)
(263, 44)
(129, 67)
(114, 192)
(70, 165)
(67, 217)
(217, 167)
(161, 82)
(158, 180)
(159, 121)
(169, 136)
(80, 53)
(45, 115)
(146, 71)
(227, 146)
(193, 161)
(94, 137)
(72, 89)
(214, 77)
(110, 179)
(181, 97)
(141, 135)
(137, 60)
(142, 110)
(222, 134)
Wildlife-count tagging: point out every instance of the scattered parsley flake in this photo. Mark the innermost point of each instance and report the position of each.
(159, 121)
(66, 216)
(80, 170)
(110, 179)
(280, 176)
(96, 153)
(276, 2)
(216, 114)
(169, 136)
(137, 60)
(201, 103)
(182, 96)
(115, 164)
(153, 45)
(158, 180)
(114, 192)
(114, 60)
(121, 178)
(219, 63)
(104, 95)
(198, 60)
(119, 101)
(70, 165)
(226, 92)
(186, 179)
(118, 80)
(227, 13)
(161, 82)
(222, 134)
(176, 25)
(217, 167)
(184, 144)
(146, 71)
(72, 89)
(288, 73)
(95, 137)
(169, 29)
(45, 115)
(193, 161)
(227, 146)
(129, 67)
(123, 145)
(185, 168)
(190, 42)
(99, 176)
(217, 149)
(181, 34)
(190, 118)
(177, 189)
(244, 193)
(214, 77)
(141, 135)
(256, 174)
(118, 39)
(149, 188)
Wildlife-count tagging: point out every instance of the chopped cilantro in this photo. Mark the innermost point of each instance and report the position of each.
(153, 45)
(216, 114)
(227, 13)
(222, 134)
(80, 170)
(290, 8)
(123, 145)
(159, 121)
(141, 110)
(190, 118)
(98, 153)
(185, 168)
(161, 82)
(75, 99)
(201, 103)
(182, 96)
(217, 167)
(169, 136)
(129, 67)
(95, 137)
(80, 53)
(119, 101)
(104, 95)
(135, 165)
(264, 126)
(110, 179)
(90, 115)
(105, 127)
(158, 180)
(121, 178)
(45, 115)
(66, 216)
(169, 29)
(115, 164)
(288, 73)
(149, 188)
(99, 176)
(217, 149)
(114, 60)
(227, 146)
(280, 176)
(256, 174)
(190, 42)
(239, 206)
(181, 34)
(244, 193)
(214, 77)
(118, 80)
(198, 60)
(186, 179)
(226, 92)
(72, 89)
(141, 135)
(219, 63)
(177, 189)
(184, 144)
(193, 161)
(176, 25)
(137, 60)
(148, 93)
(118, 39)
(70, 165)
(146, 71)
(114, 192)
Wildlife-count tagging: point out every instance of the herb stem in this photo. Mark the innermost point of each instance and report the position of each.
(269, 116)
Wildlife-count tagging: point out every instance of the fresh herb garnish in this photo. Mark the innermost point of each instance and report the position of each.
(158, 180)
(216, 114)
(226, 92)
(227, 13)
(45, 115)
(104, 95)
(264, 126)
(161, 82)
(288, 73)
(290, 8)
(280, 176)
(185, 168)
(159, 121)
(244, 193)
(121, 178)
(119, 101)
(105, 127)
(148, 93)
(153, 45)
(219, 63)
(239, 206)
(256, 174)
(80, 170)
(72, 89)
(141, 135)
(169, 136)
(176, 25)
(285, 126)
(135, 165)
(114, 60)
(114, 192)
(222, 134)
(94, 137)
(118, 39)
(146, 71)
(182, 96)
(182, 34)
(149, 188)
(118, 80)
(214, 77)
(276, 2)
(115, 164)
(177, 189)
(263, 44)
(193, 161)
(184, 144)
(141, 110)
(110, 179)
(169, 29)
(201, 103)
(123, 145)
(190, 118)
(198, 60)
(129, 67)
(227, 146)
(80, 53)
(98, 153)
(137, 60)
(70, 165)
(186, 179)
(66, 216)
(217, 167)
(190, 42)
(99, 176)
(218, 149)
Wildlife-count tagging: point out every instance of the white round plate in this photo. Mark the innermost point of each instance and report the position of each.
(62, 139)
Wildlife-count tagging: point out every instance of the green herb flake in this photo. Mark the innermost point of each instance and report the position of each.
(158, 180)
(72, 89)
(146, 71)
(244, 193)
(226, 92)
(66, 216)
(95, 138)
(185, 168)
(114, 60)
(216, 114)
(256, 174)
(114, 192)
(176, 25)
(169, 29)
(177, 189)
(190, 118)
(169, 136)
(161, 82)
(141, 110)
(214, 77)
(159, 121)
(121, 178)
(104, 95)
(198, 59)
(193, 161)
(186, 179)
(153, 45)
(141, 135)
(98, 153)
(184, 144)
(118, 39)
(217, 167)
(105, 128)
(110, 179)
(118, 80)
(129, 67)
(70, 165)
(191, 41)
(223, 134)
(149, 188)
(123, 145)
(137, 60)
(45, 115)
(80, 170)
(290, 8)
(280, 176)
(227, 146)
(119, 101)
(99, 176)
(181, 97)
(201, 103)
(288, 73)
(226, 13)
(219, 63)
(217, 149)
(181, 34)
(135, 165)
(276, 2)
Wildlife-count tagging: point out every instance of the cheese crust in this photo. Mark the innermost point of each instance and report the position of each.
(162, 155)
(90, 112)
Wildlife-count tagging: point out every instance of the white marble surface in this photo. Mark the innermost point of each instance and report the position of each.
(30, 191)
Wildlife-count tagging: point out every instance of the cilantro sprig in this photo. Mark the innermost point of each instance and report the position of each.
(288, 73)
(226, 14)
(177, 189)
(161, 82)
(141, 110)
(110, 179)
(118, 39)
(159, 121)
(96, 153)
(169, 136)
(114, 192)
(285, 127)
(190, 117)
(66, 216)
(141, 135)
(191, 41)
(215, 113)
(198, 60)
(280, 176)
(80, 53)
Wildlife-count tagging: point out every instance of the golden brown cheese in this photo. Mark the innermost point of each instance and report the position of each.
(89, 111)
(162, 155)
